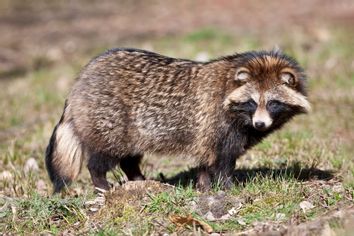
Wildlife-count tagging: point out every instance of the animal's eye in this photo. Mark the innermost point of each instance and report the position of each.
(251, 103)
(248, 106)
(242, 75)
(274, 105)
(288, 78)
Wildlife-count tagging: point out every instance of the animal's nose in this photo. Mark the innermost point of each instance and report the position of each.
(259, 125)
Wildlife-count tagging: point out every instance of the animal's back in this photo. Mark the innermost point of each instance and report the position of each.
(139, 99)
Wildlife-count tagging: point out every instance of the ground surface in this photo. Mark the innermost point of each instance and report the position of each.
(299, 181)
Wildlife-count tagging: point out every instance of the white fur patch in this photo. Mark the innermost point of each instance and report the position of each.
(256, 97)
(242, 94)
(69, 154)
(262, 115)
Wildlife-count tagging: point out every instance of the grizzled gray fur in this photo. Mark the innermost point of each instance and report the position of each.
(127, 102)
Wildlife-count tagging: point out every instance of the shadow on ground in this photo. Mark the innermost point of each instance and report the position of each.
(243, 176)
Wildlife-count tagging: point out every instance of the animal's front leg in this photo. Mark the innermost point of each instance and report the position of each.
(223, 171)
(204, 178)
(220, 173)
(230, 147)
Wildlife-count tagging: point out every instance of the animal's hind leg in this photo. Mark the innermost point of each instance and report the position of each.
(98, 166)
(130, 166)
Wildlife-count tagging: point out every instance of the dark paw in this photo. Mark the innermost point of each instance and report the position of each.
(203, 183)
(203, 187)
(102, 184)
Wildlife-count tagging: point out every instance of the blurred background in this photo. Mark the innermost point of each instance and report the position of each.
(44, 44)
(39, 34)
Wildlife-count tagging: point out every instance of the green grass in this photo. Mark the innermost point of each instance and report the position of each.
(39, 214)
(175, 202)
(264, 199)
(287, 168)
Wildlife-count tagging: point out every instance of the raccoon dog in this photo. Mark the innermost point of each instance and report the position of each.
(128, 102)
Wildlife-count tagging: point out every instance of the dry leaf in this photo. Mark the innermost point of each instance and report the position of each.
(182, 221)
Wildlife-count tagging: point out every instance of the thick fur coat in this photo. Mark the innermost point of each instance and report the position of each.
(127, 102)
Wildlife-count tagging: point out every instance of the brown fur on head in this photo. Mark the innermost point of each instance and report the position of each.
(269, 87)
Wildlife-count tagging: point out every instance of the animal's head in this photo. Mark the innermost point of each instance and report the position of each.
(267, 89)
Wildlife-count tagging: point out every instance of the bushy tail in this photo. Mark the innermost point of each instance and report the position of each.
(64, 155)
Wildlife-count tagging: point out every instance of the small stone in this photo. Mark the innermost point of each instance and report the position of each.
(94, 209)
(305, 206)
(225, 217)
(209, 216)
(30, 166)
(241, 221)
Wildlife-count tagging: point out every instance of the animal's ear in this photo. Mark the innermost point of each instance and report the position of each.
(288, 78)
(242, 75)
